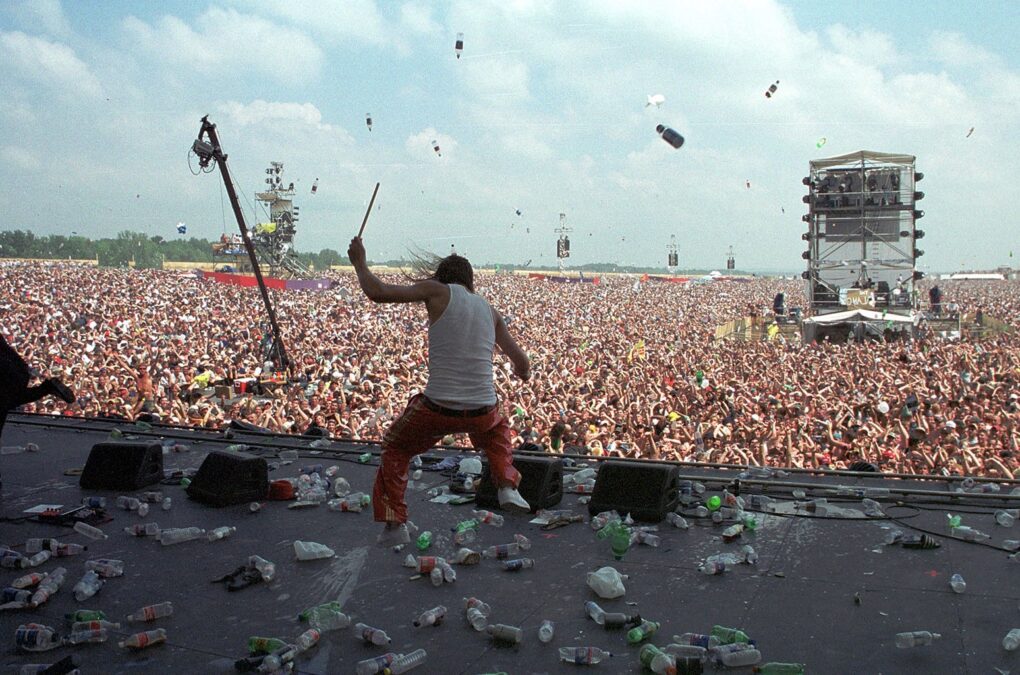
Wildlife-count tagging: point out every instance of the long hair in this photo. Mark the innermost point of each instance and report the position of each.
(453, 269)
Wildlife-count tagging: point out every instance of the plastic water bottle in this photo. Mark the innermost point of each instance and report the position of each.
(310, 550)
(872, 508)
(50, 585)
(917, 638)
(35, 637)
(180, 535)
(371, 635)
(307, 640)
(37, 559)
(431, 617)
(968, 533)
(128, 503)
(595, 613)
(264, 567)
(18, 449)
(106, 568)
(583, 655)
(406, 662)
(488, 518)
(221, 533)
(152, 612)
(143, 640)
(677, 521)
(647, 538)
(518, 564)
(94, 625)
(167, 503)
(466, 556)
(1012, 640)
(376, 664)
(957, 583)
(272, 663)
(142, 529)
(750, 555)
(501, 632)
(143, 510)
(477, 613)
(736, 654)
(546, 631)
(88, 586)
(94, 635)
(687, 651)
(16, 597)
(89, 531)
(726, 636)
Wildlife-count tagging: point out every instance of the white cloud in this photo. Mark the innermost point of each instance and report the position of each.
(50, 63)
(45, 16)
(417, 18)
(351, 20)
(224, 41)
(22, 158)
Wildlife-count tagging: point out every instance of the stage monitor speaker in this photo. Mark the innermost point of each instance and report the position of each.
(122, 466)
(241, 425)
(644, 490)
(227, 478)
(541, 483)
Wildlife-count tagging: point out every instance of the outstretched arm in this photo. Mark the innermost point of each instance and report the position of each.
(378, 291)
(509, 346)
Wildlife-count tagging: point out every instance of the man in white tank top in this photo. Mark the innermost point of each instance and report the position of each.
(460, 396)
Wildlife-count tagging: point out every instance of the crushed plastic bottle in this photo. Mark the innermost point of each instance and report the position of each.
(35, 637)
(50, 585)
(488, 518)
(718, 563)
(307, 640)
(424, 540)
(105, 567)
(264, 567)
(221, 533)
(677, 521)
(371, 635)
(646, 538)
(466, 556)
(1012, 640)
(917, 638)
(264, 645)
(1006, 517)
(310, 550)
(143, 529)
(280, 658)
(500, 632)
(957, 583)
(87, 586)
(546, 631)
(583, 655)
(642, 632)
(431, 617)
(619, 538)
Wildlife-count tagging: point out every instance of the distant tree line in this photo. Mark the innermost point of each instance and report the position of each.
(149, 252)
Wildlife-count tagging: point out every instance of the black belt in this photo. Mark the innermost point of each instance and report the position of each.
(451, 412)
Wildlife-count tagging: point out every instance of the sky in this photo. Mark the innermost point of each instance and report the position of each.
(543, 113)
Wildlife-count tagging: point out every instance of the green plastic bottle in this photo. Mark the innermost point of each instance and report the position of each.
(647, 654)
(424, 540)
(643, 632)
(465, 525)
(780, 669)
(713, 503)
(257, 645)
(750, 524)
(325, 608)
(953, 521)
(619, 538)
(728, 636)
(365, 458)
(85, 615)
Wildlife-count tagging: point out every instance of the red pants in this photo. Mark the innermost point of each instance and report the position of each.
(417, 430)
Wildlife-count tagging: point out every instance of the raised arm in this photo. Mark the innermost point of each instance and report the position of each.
(378, 291)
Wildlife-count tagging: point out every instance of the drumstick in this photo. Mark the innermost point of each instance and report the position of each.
(374, 192)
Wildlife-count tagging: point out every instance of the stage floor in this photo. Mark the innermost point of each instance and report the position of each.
(798, 603)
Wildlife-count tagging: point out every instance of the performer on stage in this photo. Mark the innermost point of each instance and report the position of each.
(14, 378)
(460, 396)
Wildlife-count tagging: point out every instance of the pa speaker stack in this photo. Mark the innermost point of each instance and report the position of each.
(645, 490)
(541, 483)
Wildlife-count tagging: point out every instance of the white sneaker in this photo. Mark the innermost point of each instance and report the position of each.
(393, 534)
(511, 500)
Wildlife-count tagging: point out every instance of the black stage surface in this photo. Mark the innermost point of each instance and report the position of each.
(798, 603)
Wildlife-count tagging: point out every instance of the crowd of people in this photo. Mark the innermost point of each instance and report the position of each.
(619, 368)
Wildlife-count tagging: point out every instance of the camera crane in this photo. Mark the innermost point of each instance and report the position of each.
(207, 147)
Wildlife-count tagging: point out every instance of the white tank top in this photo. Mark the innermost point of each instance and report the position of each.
(461, 343)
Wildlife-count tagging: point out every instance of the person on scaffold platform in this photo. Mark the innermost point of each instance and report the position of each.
(460, 396)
